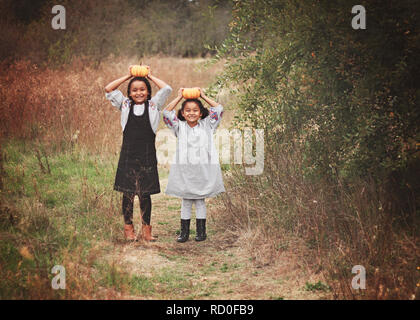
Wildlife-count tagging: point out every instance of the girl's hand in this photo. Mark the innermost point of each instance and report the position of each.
(180, 92)
(150, 72)
(129, 70)
(211, 102)
(202, 95)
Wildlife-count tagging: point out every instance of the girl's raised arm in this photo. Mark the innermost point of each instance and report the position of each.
(174, 102)
(215, 112)
(116, 83)
(208, 100)
(169, 117)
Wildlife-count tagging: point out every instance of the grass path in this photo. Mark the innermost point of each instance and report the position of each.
(72, 217)
(213, 269)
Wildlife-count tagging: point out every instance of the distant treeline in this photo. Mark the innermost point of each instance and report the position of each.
(96, 29)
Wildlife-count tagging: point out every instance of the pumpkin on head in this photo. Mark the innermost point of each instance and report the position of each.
(139, 71)
(191, 93)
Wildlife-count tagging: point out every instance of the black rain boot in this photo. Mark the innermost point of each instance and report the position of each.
(201, 230)
(185, 230)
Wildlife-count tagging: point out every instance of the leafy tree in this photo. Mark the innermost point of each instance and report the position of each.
(347, 98)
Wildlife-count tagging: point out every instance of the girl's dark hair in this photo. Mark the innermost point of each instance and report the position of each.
(149, 88)
(204, 111)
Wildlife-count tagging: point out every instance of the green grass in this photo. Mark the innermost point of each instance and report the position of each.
(60, 216)
(318, 286)
(171, 281)
(141, 285)
(224, 267)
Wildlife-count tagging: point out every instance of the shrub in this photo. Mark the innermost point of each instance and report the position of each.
(339, 111)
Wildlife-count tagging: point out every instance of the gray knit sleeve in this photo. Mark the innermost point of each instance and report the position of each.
(161, 96)
(116, 97)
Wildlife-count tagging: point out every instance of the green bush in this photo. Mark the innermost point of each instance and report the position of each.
(346, 97)
(338, 107)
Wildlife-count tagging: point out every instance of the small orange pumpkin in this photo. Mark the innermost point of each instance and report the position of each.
(191, 93)
(139, 71)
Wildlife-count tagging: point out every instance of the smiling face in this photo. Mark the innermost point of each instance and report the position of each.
(191, 113)
(138, 92)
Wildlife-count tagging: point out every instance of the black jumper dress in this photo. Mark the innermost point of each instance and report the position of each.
(137, 168)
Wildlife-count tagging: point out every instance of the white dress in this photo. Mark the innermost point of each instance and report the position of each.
(195, 170)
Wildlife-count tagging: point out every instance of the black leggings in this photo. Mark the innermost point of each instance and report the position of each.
(145, 207)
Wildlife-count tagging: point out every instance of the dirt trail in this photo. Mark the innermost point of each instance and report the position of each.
(212, 269)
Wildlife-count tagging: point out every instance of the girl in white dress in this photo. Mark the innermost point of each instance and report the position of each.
(195, 173)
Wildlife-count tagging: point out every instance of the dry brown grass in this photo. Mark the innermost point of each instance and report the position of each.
(341, 226)
(67, 106)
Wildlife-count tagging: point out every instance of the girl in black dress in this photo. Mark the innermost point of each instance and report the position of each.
(137, 172)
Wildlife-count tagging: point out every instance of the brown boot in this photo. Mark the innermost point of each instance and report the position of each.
(146, 233)
(129, 232)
